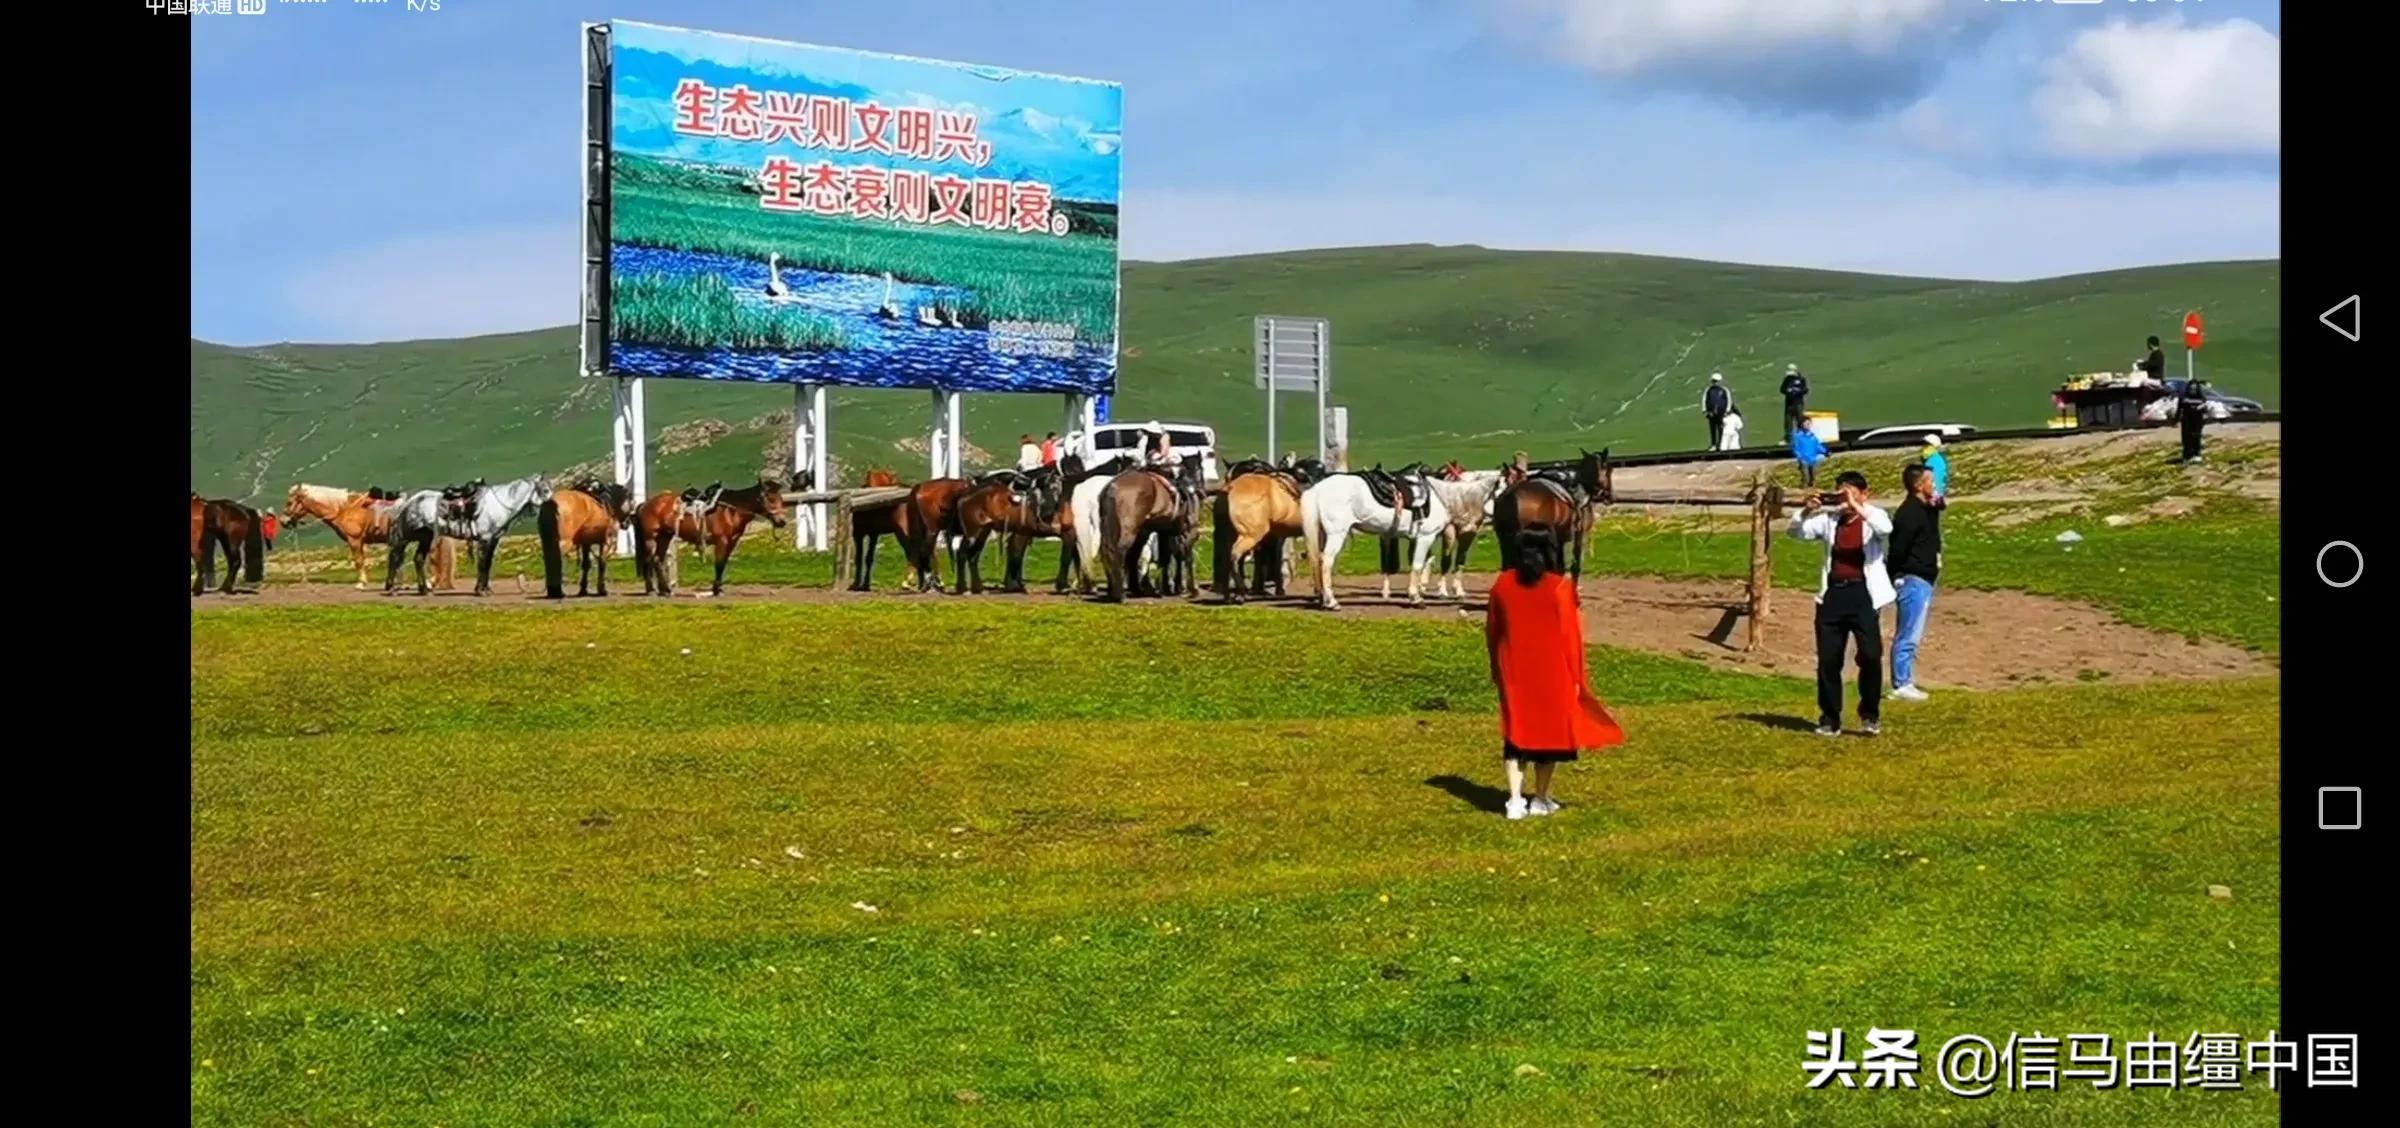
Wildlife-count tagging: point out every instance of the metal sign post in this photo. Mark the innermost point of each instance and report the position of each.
(1292, 354)
(2191, 342)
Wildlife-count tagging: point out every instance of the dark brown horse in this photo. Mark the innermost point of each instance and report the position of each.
(933, 507)
(1558, 500)
(713, 516)
(243, 534)
(1021, 505)
(582, 519)
(1138, 505)
(868, 527)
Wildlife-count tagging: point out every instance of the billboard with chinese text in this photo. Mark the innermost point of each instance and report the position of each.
(787, 213)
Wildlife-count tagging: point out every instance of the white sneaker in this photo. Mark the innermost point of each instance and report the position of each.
(1909, 693)
(1541, 806)
(1516, 808)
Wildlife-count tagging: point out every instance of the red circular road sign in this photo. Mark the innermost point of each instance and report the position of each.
(2191, 330)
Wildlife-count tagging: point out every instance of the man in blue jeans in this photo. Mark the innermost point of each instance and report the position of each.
(1916, 561)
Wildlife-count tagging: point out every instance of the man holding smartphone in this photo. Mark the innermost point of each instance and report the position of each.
(1852, 588)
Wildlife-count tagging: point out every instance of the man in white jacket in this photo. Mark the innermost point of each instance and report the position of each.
(1852, 587)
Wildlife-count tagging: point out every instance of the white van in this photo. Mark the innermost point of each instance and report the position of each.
(1108, 440)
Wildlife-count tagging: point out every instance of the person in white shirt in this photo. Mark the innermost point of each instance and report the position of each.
(1733, 431)
(1852, 589)
(1029, 454)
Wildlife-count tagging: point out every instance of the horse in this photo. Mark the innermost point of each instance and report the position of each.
(877, 476)
(1140, 504)
(361, 519)
(867, 530)
(1079, 520)
(934, 506)
(582, 519)
(1258, 511)
(1021, 504)
(1469, 498)
(1379, 502)
(221, 524)
(1558, 500)
(477, 513)
(714, 516)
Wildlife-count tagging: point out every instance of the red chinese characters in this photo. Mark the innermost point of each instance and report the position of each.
(695, 108)
(786, 117)
(912, 195)
(874, 128)
(1030, 202)
(779, 185)
(916, 132)
(738, 114)
(990, 209)
(870, 193)
(954, 138)
(829, 124)
(950, 196)
(826, 191)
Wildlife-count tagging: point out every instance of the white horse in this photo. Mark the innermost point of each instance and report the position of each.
(1469, 500)
(1340, 504)
(419, 517)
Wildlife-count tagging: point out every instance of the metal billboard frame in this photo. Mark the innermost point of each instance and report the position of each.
(1274, 369)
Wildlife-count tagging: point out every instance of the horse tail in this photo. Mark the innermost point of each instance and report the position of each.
(1222, 550)
(254, 550)
(1117, 568)
(211, 536)
(641, 547)
(554, 565)
(1387, 549)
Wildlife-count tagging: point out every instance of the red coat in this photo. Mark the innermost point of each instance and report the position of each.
(1536, 639)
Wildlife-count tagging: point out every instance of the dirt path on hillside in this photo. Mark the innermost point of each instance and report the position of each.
(1977, 639)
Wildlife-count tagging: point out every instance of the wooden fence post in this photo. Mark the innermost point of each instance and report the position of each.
(841, 538)
(1766, 505)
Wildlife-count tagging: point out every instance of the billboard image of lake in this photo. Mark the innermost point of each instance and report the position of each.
(798, 214)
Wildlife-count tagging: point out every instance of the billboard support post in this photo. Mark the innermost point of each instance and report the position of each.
(1324, 377)
(809, 458)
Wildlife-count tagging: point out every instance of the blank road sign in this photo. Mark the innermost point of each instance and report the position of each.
(1288, 353)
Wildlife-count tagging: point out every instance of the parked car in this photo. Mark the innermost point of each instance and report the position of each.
(1110, 439)
(2235, 406)
(1914, 430)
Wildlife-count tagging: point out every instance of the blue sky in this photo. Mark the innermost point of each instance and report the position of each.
(364, 172)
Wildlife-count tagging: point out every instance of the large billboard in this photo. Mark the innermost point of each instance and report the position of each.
(778, 212)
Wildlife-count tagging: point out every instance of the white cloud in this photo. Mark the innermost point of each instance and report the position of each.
(1927, 125)
(2129, 92)
(1823, 53)
(448, 285)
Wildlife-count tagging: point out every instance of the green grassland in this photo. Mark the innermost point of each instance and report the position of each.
(1439, 351)
(550, 869)
(1069, 280)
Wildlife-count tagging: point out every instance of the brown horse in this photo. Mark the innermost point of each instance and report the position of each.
(220, 524)
(714, 516)
(878, 476)
(582, 519)
(1258, 513)
(361, 519)
(1024, 505)
(933, 512)
(1140, 504)
(868, 527)
(1558, 500)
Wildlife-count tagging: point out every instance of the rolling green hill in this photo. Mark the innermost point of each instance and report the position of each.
(1439, 352)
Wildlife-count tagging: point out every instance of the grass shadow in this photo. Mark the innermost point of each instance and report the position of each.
(1481, 796)
(1784, 721)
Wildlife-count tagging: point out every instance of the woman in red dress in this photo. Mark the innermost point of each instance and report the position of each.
(1547, 711)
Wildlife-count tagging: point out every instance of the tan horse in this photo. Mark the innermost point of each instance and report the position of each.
(582, 519)
(361, 519)
(721, 525)
(1258, 513)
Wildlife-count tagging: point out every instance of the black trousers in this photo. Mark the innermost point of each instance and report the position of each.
(1848, 613)
(1716, 431)
(1793, 417)
(2191, 436)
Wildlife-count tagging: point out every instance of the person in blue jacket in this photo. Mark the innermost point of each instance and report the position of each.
(1937, 464)
(1809, 450)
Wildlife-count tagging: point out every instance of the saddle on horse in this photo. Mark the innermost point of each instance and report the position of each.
(1405, 498)
(697, 501)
